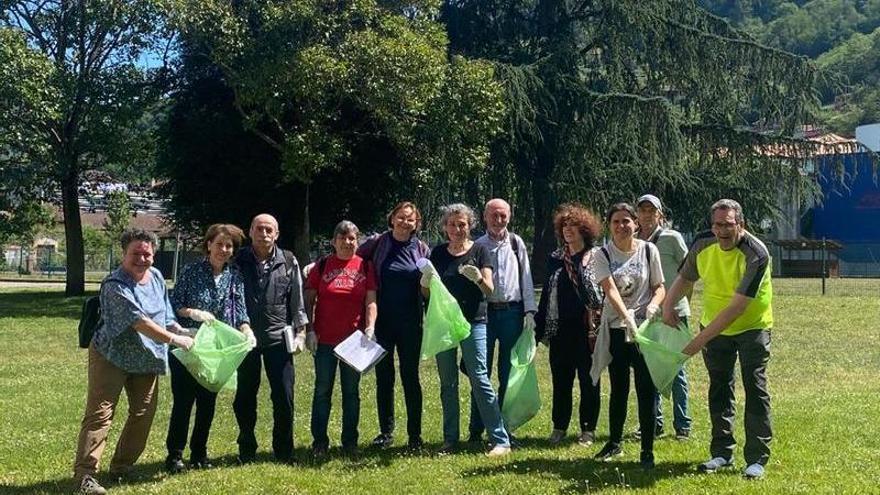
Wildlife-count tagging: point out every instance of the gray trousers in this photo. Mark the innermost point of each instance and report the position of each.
(720, 355)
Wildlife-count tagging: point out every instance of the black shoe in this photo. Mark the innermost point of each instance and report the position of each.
(285, 459)
(647, 460)
(609, 451)
(350, 450)
(415, 443)
(202, 463)
(447, 448)
(383, 441)
(319, 451)
(246, 458)
(174, 465)
(475, 438)
(682, 435)
(658, 432)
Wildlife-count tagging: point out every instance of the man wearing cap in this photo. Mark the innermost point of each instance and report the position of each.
(511, 307)
(672, 248)
(737, 315)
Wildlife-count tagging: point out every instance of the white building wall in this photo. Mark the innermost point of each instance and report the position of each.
(869, 135)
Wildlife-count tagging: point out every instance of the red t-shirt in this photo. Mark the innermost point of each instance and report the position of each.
(342, 291)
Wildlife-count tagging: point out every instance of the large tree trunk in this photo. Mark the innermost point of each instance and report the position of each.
(76, 263)
(544, 201)
(301, 236)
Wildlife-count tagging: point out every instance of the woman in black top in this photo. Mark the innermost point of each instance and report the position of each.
(565, 322)
(466, 271)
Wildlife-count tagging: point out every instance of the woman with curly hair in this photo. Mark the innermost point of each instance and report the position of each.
(565, 320)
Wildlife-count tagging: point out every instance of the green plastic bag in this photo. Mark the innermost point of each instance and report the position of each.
(215, 356)
(661, 347)
(444, 326)
(522, 400)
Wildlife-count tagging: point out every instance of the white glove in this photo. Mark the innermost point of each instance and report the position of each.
(311, 341)
(652, 311)
(529, 322)
(471, 272)
(182, 341)
(370, 333)
(251, 338)
(307, 269)
(299, 343)
(201, 316)
(630, 328)
(428, 271)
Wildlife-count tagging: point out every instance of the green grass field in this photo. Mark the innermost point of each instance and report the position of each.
(824, 377)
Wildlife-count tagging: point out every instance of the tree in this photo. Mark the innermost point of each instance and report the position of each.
(26, 100)
(201, 162)
(118, 215)
(96, 50)
(319, 82)
(611, 99)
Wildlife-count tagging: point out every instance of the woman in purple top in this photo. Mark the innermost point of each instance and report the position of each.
(399, 324)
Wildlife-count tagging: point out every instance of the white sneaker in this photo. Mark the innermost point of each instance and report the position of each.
(753, 472)
(714, 464)
(88, 485)
(586, 438)
(498, 451)
(556, 436)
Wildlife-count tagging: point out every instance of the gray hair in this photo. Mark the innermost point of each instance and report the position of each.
(729, 204)
(458, 209)
(345, 227)
(132, 235)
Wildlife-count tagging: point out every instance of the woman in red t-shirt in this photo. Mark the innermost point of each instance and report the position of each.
(340, 299)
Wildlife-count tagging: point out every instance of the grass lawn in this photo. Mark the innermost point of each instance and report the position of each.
(824, 378)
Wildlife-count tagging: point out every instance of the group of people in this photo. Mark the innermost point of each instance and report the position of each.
(592, 302)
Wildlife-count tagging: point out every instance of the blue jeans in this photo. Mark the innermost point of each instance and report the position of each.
(681, 420)
(473, 352)
(325, 374)
(505, 326)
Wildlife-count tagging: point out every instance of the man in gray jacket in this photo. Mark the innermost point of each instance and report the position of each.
(273, 294)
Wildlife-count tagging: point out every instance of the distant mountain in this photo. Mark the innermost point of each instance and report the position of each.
(842, 36)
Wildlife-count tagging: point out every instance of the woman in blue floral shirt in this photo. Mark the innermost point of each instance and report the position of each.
(205, 290)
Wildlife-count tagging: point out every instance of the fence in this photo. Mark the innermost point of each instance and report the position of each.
(43, 262)
(826, 267)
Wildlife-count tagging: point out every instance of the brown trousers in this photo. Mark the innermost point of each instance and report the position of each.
(106, 382)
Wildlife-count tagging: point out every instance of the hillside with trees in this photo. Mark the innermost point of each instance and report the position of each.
(841, 36)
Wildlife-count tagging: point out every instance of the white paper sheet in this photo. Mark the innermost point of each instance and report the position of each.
(359, 352)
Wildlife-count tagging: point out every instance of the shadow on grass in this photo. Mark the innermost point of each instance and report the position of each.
(581, 475)
(34, 304)
(587, 475)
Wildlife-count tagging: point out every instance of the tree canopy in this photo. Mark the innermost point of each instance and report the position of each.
(27, 100)
(612, 99)
(93, 57)
(320, 82)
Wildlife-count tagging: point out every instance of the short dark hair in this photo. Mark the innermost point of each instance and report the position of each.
(227, 229)
(628, 208)
(728, 204)
(345, 227)
(458, 209)
(132, 235)
(587, 223)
